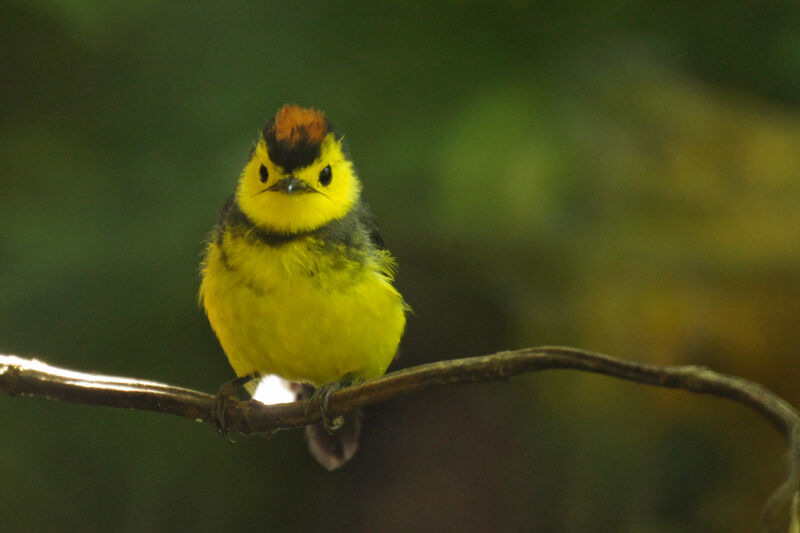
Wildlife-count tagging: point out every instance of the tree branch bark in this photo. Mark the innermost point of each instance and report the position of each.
(19, 376)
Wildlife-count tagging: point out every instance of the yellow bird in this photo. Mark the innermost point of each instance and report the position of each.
(295, 279)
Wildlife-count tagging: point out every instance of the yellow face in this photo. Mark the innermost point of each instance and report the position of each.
(302, 200)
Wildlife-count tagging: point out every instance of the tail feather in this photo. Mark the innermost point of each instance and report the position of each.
(331, 450)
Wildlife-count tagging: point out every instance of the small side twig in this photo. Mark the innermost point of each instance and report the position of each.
(31, 377)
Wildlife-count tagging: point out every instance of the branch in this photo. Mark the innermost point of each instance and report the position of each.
(20, 376)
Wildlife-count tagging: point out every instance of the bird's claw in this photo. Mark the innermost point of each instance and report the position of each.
(322, 397)
(230, 391)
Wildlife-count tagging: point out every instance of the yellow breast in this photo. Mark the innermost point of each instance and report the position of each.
(302, 310)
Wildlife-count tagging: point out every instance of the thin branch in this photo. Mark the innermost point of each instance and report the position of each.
(20, 376)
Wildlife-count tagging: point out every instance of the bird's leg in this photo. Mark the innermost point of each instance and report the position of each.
(233, 390)
(322, 396)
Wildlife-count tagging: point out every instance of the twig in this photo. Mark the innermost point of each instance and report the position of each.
(31, 377)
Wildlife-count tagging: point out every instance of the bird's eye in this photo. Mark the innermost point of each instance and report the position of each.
(325, 176)
(263, 173)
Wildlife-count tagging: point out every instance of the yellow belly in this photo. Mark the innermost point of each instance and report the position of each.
(301, 315)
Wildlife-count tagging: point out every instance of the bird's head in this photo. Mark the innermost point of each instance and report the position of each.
(298, 177)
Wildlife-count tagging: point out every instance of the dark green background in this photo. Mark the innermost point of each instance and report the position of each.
(617, 176)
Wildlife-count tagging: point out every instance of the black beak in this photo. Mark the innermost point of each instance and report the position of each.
(290, 185)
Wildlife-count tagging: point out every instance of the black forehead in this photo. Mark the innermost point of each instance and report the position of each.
(290, 157)
(300, 153)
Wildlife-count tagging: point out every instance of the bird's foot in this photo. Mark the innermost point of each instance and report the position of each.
(322, 396)
(231, 391)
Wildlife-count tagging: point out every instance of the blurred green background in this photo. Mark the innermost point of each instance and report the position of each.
(617, 176)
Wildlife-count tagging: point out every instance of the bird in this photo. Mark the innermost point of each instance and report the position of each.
(295, 279)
